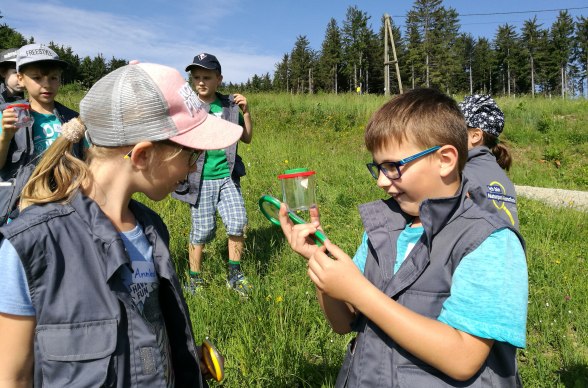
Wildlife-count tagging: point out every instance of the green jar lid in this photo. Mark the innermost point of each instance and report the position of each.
(296, 173)
(295, 170)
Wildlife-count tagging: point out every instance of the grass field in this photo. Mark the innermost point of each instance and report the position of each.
(279, 338)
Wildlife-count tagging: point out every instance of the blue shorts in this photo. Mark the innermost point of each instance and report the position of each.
(225, 196)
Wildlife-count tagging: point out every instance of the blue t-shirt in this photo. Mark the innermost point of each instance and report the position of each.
(489, 290)
(142, 283)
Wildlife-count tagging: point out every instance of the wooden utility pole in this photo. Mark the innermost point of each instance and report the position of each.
(389, 38)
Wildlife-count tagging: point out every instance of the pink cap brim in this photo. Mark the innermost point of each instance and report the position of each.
(195, 128)
(212, 134)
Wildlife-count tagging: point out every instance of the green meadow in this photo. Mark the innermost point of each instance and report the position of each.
(278, 336)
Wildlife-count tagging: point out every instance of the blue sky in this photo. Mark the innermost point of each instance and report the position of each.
(248, 37)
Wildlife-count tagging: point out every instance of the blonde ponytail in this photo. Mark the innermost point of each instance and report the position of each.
(59, 174)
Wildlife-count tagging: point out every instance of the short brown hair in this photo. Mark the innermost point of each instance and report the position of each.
(424, 116)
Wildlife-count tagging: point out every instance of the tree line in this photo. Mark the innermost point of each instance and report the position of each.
(431, 52)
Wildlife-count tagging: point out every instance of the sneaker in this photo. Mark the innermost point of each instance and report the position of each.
(194, 285)
(239, 283)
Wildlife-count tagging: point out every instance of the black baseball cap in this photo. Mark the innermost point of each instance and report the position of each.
(207, 61)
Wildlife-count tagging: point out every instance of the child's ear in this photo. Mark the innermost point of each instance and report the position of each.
(475, 136)
(448, 160)
(19, 78)
(142, 154)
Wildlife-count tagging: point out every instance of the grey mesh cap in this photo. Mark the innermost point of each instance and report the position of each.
(32, 53)
(481, 111)
(150, 102)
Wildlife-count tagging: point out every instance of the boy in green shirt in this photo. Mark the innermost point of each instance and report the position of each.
(215, 186)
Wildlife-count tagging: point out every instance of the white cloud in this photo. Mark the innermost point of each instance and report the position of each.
(158, 38)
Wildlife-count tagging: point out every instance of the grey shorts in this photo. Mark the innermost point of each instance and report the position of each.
(222, 195)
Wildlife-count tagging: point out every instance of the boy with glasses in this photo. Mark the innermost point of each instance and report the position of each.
(437, 291)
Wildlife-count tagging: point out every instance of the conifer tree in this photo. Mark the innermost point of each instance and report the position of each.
(530, 36)
(562, 35)
(505, 44)
(301, 65)
(356, 36)
(281, 80)
(329, 65)
(581, 51)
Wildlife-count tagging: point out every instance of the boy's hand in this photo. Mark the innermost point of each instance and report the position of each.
(242, 102)
(9, 128)
(298, 236)
(335, 274)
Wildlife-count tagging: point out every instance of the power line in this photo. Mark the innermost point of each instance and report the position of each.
(515, 12)
(512, 12)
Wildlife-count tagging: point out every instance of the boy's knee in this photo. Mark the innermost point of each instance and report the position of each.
(236, 227)
(201, 237)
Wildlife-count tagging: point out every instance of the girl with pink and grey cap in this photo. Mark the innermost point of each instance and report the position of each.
(91, 294)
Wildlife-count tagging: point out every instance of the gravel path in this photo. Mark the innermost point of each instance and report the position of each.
(556, 197)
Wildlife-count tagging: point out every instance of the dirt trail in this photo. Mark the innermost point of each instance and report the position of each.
(556, 197)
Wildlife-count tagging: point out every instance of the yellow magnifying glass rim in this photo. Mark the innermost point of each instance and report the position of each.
(213, 360)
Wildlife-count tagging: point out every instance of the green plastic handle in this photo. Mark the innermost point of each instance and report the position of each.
(270, 207)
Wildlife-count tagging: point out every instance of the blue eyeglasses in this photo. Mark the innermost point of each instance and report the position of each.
(391, 170)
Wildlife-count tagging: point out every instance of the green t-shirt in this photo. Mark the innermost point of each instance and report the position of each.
(216, 165)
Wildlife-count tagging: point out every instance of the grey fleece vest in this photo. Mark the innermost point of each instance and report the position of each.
(190, 190)
(21, 161)
(88, 333)
(453, 227)
(496, 191)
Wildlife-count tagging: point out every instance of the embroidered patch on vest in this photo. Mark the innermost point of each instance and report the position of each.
(148, 360)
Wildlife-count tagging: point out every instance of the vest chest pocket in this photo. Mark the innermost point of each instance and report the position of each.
(77, 354)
